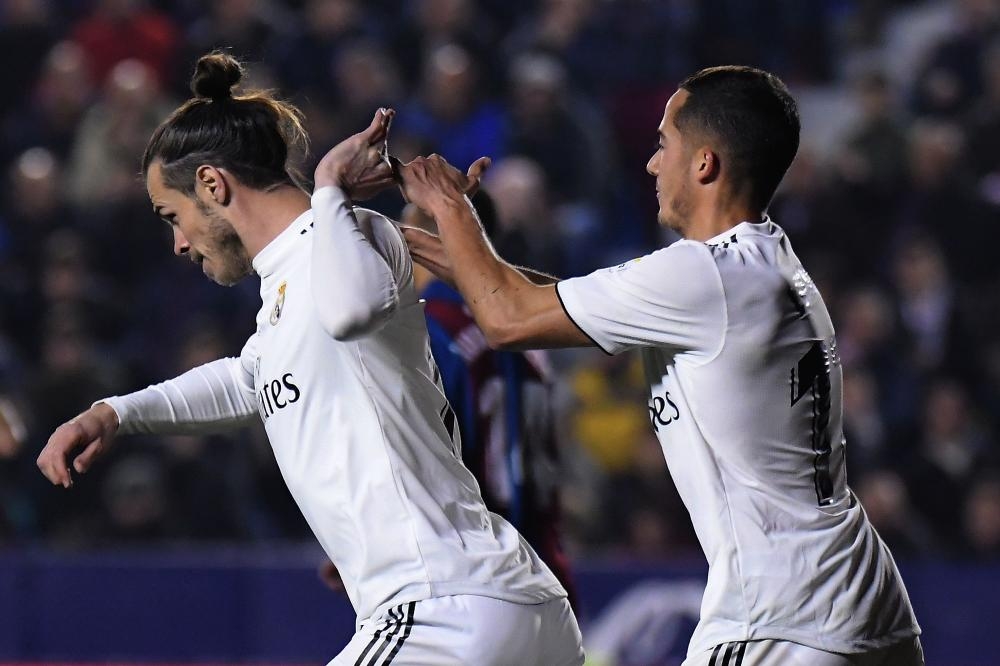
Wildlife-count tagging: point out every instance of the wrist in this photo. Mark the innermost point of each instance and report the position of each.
(443, 207)
(327, 179)
(106, 416)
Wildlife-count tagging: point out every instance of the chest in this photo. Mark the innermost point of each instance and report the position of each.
(289, 341)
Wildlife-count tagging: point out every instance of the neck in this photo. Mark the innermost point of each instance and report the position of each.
(716, 217)
(263, 215)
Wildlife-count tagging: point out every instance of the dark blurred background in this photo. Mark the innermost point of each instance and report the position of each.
(892, 204)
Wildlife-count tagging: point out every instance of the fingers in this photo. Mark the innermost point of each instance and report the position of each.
(378, 130)
(95, 427)
(395, 165)
(56, 472)
(374, 180)
(52, 460)
(93, 451)
(419, 237)
(427, 250)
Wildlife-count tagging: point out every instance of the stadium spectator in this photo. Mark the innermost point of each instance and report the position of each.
(117, 30)
(617, 75)
(450, 113)
(101, 168)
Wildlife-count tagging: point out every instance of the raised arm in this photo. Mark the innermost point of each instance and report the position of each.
(513, 311)
(354, 287)
(212, 397)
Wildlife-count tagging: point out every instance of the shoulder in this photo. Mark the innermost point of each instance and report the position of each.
(382, 231)
(689, 262)
(378, 222)
(681, 276)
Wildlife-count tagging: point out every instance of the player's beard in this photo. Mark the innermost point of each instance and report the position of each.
(229, 258)
(676, 212)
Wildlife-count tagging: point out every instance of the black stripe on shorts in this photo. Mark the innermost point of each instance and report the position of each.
(739, 654)
(397, 623)
(410, 608)
(733, 656)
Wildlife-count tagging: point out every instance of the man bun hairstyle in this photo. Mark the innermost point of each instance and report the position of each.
(215, 75)
(754, 119)
(252, 135)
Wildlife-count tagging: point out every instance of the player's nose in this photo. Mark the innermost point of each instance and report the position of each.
(651, 166)
(181, 245)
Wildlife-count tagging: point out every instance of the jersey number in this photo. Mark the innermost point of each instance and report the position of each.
(812, 375)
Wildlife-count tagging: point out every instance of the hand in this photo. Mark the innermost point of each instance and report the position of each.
(428, 251)
(94, 430)
(429, 182)
(359, 164)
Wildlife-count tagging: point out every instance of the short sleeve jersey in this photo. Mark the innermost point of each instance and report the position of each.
(361, 434)
(745, 398)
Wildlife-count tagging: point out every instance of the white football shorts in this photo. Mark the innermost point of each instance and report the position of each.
(466, 629)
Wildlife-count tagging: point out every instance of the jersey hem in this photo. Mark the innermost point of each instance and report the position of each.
(423, 591)
(808, 640)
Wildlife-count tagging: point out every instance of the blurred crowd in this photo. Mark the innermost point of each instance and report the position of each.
(891, 204)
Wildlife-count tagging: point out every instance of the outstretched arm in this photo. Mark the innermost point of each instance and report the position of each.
(211, 397)
(513, 311)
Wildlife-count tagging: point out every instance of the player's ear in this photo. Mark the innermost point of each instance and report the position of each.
(706, 165)
(211, 183)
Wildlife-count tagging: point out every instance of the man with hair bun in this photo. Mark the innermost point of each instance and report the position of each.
(744, 377)
(340, 372)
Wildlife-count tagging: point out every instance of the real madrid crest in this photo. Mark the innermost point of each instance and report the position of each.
(279, 304)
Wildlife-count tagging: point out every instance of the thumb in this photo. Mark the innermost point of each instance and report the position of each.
(94, 450)
(475, 174)
(378, 130)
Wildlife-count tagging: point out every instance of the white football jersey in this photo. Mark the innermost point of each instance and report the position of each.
(361, 430)
(368, 446)
(745, 398)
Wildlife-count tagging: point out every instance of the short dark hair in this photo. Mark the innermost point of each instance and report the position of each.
(253, 135)
(753, 116)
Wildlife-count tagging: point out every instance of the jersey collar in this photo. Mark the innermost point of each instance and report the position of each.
(275, 252)
(765, 227)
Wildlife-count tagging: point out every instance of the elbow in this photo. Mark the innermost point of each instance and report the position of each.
(347, 324)
(348, 328)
